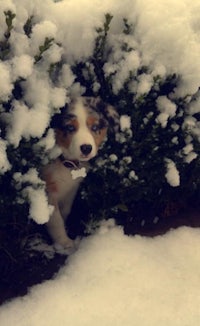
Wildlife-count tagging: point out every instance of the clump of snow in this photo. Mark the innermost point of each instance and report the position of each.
(125, 122)
(188, 149)
(47, 142)
(4, 163)
(20, 44)
(27, 122)
(133, 175)
(169, 38)
(167, 110)
(40, 32)
(190, 157)
(194, 105)
(145, 82)
(122, 69)
(127, 159)
(40, 210)
(34, 192)
(113, 158)
(165, 105)
(162, 118)
(38, 89)
(189, 153)
(6, 85)
(192, 127)
(22, 66)
(118, 280)
(67, 77)
(31, 176)
(172, 175)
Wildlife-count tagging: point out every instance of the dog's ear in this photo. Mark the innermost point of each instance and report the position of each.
(109, 113)
(112, 117)
(57, 119)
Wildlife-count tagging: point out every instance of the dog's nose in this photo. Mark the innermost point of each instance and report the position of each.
(86, 149)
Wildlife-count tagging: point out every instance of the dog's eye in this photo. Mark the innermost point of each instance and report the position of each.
(69, 128)
(95, 127)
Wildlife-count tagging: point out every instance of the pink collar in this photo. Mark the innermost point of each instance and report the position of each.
(70, 164)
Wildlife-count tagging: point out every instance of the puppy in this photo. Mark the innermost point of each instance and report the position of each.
(79, 131)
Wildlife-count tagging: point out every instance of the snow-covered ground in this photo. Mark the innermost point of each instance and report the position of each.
(116, 280)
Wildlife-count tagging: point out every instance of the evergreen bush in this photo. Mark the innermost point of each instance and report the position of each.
(151, 162)
(150, 168)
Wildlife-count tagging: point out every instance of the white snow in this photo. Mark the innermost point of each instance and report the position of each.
(125, 122)
(190, 157)
(34, 192)
(167, 110)
(165, 105)
(132, 175)
(31, 177)
(22, 66)
(116, 280)
(165, 36)
(145, 83)
(47, 142)
(169, 35)
(27, 122)
(172, 174)
(162, 118)
(6, 85)
(40, 210)
(113, 158)
(40, 32)
(4, 164)
(189, 153)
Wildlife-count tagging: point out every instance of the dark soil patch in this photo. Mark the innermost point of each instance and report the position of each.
(22, 266)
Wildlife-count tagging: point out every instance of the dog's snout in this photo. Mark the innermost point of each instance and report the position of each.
(86, 149)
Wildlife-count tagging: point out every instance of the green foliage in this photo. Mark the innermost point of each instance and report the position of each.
(128, 28)
(43, 48)
(100, 42)
(28, 26)
(99, 58)
(9, 20)
(4, 45)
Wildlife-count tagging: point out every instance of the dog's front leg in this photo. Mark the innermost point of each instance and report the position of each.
(56, 229)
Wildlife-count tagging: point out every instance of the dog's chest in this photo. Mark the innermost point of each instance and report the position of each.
(59, 181)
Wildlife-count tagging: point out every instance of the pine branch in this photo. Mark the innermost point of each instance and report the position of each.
(4, 45)
(28, 26)
(43, 48)
(98, 58)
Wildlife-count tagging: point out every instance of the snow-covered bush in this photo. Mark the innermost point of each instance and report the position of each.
(52, 50)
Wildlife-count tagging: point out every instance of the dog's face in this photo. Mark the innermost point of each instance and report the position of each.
(81, 128)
